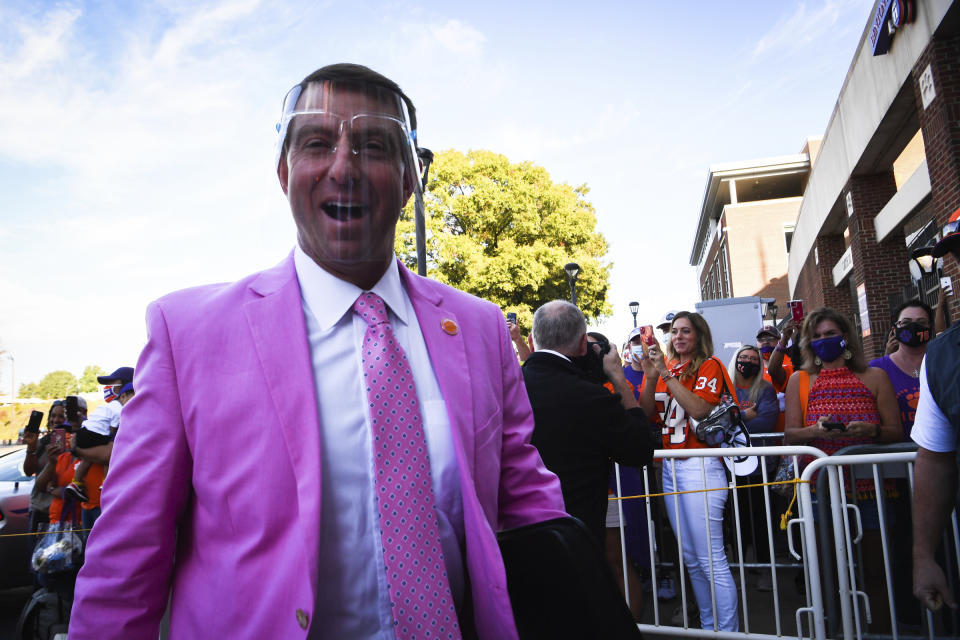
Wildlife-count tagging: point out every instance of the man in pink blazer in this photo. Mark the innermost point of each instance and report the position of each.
(214, 501)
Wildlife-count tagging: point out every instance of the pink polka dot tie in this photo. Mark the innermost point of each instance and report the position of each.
(416, 574)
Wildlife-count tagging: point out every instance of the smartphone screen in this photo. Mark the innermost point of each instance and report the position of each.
(512, 317)
(796, 308)
(59, 438)
(36, 417)
(646, 334)
(73, 409)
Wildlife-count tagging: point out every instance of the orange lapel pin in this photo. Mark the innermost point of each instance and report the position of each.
(449, 326)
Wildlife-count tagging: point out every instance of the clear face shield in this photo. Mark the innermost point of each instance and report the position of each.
(347, 161)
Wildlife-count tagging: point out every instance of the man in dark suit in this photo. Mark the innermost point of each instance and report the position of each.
(579, 426)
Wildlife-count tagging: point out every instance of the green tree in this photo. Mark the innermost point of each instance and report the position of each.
(28, 390)
(503, 231)
(57, 384)
(88, 381)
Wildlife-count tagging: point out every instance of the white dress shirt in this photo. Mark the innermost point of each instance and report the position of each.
(931, 428)
(353, 600)
(556, 353)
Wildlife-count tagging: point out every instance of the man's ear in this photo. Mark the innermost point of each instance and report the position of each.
(409, 182)
(283, 173)
(582, 351)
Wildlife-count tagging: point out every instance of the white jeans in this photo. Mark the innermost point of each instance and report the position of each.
(698, 550)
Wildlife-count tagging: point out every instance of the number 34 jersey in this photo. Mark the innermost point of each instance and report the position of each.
(677, 428)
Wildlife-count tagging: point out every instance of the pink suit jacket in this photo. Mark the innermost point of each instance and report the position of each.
(214, 486)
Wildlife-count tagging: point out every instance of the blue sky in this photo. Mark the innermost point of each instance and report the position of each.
(136, 143)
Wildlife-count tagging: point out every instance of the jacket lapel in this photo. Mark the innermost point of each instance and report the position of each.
(444, 339)
(279, 335)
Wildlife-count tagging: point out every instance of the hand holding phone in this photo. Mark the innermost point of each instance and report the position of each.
(36, 417)
(512, 317)
(834, 426)
(646, 335)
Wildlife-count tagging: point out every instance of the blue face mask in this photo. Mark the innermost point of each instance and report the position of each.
(829, 349)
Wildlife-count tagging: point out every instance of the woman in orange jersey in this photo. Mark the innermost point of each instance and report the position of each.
(678, 392)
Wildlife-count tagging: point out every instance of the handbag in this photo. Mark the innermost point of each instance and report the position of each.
(723, 427)
(785, 473)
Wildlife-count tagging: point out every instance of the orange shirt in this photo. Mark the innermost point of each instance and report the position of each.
(92, 483)
(66, 464)
(787, 369)
(708, 383)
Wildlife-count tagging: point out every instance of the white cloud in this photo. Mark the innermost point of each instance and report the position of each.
(459, 37)
(804, 26)
(41, 44)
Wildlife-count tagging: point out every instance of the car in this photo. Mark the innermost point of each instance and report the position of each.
(15, 488)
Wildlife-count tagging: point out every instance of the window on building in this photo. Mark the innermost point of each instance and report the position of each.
(788, 235)
(727, 288)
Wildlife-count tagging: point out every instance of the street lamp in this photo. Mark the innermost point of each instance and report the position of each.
(925, 263)
(772, 310)
(573, 270)
(634, 308)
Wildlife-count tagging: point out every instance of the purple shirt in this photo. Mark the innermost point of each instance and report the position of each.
(907, 389)
(635, 378)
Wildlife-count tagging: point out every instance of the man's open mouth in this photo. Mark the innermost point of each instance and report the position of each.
(339, 211)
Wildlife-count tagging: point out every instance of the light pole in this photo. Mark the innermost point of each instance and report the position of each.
(419, 213)
(772, 308)
(13, 389)
(572, 270)
(634, 309)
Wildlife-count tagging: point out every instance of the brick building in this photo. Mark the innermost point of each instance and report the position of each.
(746, 224)
(876, 188)
(887, 176)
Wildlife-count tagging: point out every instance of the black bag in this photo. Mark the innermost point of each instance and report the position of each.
(560, 586)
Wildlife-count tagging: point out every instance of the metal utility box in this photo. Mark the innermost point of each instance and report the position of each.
(733, 322)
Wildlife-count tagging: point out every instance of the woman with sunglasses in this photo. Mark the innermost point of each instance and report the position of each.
(36, 460)
(687, 387)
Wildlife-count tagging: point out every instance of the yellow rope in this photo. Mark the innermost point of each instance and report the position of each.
(739, 486)
(645, 495)
(41, 533)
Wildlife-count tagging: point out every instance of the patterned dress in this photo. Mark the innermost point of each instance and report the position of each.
(842, 396)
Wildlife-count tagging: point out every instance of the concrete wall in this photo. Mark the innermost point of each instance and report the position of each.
(870, 90)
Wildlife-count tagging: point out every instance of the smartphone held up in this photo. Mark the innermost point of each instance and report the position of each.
(796, 310)
(646, 334)
(36, 417)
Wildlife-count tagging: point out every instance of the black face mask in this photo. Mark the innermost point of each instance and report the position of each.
(748, 369)
(913, 334)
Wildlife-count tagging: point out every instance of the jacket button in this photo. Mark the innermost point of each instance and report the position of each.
(302, 618)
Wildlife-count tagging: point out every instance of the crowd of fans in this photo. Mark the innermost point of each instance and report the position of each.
(70, 461)
(831, 399)
(815, 389)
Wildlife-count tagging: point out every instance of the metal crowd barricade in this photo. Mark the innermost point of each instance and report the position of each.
(812, 593)
(844, 532)
(834, 601)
